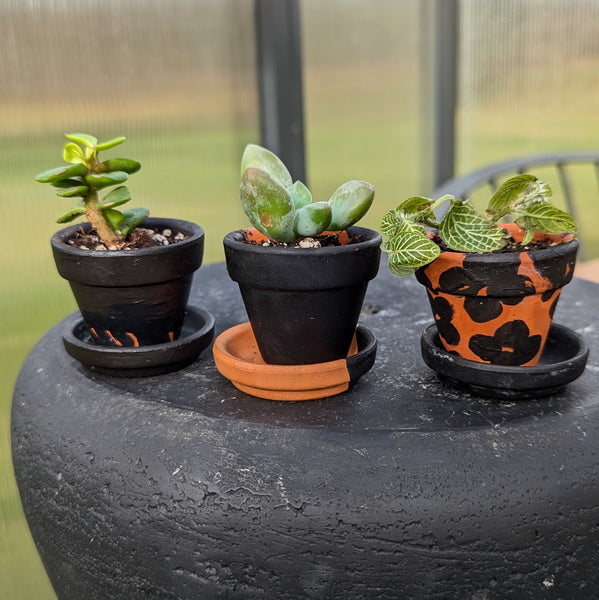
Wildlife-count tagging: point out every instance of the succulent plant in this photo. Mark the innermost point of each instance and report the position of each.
(84, 176)
(462, 228)
(284, 210)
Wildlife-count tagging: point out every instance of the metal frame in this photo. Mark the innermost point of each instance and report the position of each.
(445, 37)
(279, 65)
(279, 59)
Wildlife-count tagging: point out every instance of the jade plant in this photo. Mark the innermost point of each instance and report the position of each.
(284, 210)
(523, 198)
(85, 176)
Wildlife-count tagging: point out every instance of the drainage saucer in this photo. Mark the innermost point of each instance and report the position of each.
(562, 361)
(237, 357)
(196, 334)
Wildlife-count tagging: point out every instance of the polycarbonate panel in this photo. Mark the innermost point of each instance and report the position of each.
(363, 98)
(529, 83)
(177, 77)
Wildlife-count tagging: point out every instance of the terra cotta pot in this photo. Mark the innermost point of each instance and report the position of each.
(303, 303)
(497, 308)
(132, 297)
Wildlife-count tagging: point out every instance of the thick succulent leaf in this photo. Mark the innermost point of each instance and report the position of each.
(67, 183)
(513, 192)
(300, 195)
(110, 143)
(86, 140)
(131, 219)
(71, 214)
(312, 219)
(72, 154)
(261, 158)
(127, 165)
(409, 247)
(114, 217)
(60, 173)
(267, 205)
(349, 203)
(465, 230)
(80, 190)
(102, 180)
(116, 197)
(547, 218)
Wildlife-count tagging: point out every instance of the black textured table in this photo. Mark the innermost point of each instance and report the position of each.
(181, 486)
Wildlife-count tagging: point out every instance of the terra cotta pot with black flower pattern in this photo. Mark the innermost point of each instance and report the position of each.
(498, 307)
(493, 277)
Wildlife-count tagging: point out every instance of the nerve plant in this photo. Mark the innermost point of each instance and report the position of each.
(524, 198)
(85, 176)
(284, 210)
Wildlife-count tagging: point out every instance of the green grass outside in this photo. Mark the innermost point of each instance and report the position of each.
(192, 173)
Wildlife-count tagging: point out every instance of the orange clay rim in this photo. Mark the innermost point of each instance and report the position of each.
(253, 235)
(562, 244)
(237, 358)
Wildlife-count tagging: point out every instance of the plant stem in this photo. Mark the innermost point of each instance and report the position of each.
(98, 222)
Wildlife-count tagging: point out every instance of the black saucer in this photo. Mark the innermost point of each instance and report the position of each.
(563, 360)
(144, 361)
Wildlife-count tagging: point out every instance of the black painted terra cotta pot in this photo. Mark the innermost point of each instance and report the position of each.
(132, 297)
(303, 303)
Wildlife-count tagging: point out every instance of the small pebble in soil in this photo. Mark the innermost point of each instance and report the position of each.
(309, 243)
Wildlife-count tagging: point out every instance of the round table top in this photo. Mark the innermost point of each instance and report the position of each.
(358, 495)
(400, 393)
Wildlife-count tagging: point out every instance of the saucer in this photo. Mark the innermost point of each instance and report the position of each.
(563, 360)
(196, 334)
(237, 357)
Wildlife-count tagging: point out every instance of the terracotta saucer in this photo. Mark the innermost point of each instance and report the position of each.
(237, 357)
(563, 360)
(144, 361)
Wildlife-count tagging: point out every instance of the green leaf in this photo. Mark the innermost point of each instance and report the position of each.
(110, 143)
(514, 192)
(529, 234)
(400, 270)
(312, 219)
(75, 191)
(390, 222)
(127, 165)
(465, 230)
(67, 183)
(71, 214)
(261, 158)
(72, 154)
(131, 219)
(102, 180)
(349, 203)
(416, 209)
(267, 205)
(410, 247)
(86, 140)
(114, 217)
(60, 173)
(547, 218)
(415, 205)
(116, 197)
(300, 195)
